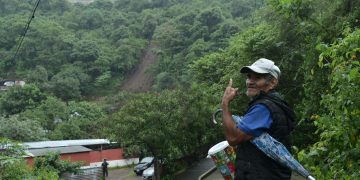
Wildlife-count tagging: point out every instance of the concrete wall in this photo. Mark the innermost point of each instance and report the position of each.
(114, 157)
(116, 163)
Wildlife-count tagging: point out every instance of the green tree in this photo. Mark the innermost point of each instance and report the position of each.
(103, 5)
(90, 117)
(54, 6)
(169, 37)
(164, 81)
(121, 32)
(152, 120)
(52, 50)
(91, 19)
(85, 51)
(129, 52)
(337, 153)
(9, 153)
(243, 8)
(85, 120)
(51, 112)
(15, 170)
(21, 129)
(198, 49)
(16, 6)
(68, 130)
(19, 98)
(13, 166)
(150, 21)
(52, 162)
(103, 79)
(12, 30)
(66, 88)
(39, 76)
(211, 17)
(70, 83)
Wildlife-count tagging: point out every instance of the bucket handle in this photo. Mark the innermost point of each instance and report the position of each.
(215, 114)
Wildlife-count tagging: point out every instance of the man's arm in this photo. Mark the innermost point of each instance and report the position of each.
(232, 134)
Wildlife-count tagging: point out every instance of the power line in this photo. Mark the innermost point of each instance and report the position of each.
(26, 28)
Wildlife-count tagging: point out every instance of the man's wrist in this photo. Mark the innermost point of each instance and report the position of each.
(225, 106)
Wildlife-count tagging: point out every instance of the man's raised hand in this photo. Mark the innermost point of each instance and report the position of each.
(229, 93)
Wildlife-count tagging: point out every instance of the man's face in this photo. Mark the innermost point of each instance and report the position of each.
(255, 83)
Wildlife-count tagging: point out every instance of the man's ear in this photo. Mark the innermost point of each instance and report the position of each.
(274, 82)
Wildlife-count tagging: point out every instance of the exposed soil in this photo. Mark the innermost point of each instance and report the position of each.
(140, 80)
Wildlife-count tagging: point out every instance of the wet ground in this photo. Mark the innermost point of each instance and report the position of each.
(126, 173)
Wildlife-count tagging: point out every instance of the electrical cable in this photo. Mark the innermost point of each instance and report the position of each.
(26, 29)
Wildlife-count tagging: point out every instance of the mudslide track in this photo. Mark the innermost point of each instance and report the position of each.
(140, 80)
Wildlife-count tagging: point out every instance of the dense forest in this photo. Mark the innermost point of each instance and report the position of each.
(75, 56)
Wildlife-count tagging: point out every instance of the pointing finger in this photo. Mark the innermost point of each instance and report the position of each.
(230, 83)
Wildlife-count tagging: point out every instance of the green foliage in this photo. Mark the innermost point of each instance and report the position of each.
(12, 29)
(21, 129)
(103, 79)
(209, 69)
(243, 8)
(19, 98)
(50, 112)
(45, 174)
(10, 151)
(152, 120)
(91, 19)
(130, 51)
(70, 83)
(169, 37)
(98, 40)
(164, 81)
(13, 166)
(39, 76)
(85, 51)
(52, 163)
(85, 121)
(90, 116)
(67, 88)
(198, 49)
(261, 41)
(106, 39)
(74, 120)
(15, 170)
(150, 20)
(210, 17)
(52, 50)
(293, 8)
(337, 153)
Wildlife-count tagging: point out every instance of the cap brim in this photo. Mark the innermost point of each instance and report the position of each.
(248, 69)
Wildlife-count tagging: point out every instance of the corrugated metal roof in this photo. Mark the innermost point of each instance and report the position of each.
(61, 150)
(63, 143)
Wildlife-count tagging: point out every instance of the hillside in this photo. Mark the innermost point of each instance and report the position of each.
(140, 80)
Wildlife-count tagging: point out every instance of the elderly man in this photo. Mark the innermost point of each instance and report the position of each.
(267, 112)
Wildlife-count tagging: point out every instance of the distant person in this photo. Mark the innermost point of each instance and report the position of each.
(104, 166)
(267, 112)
